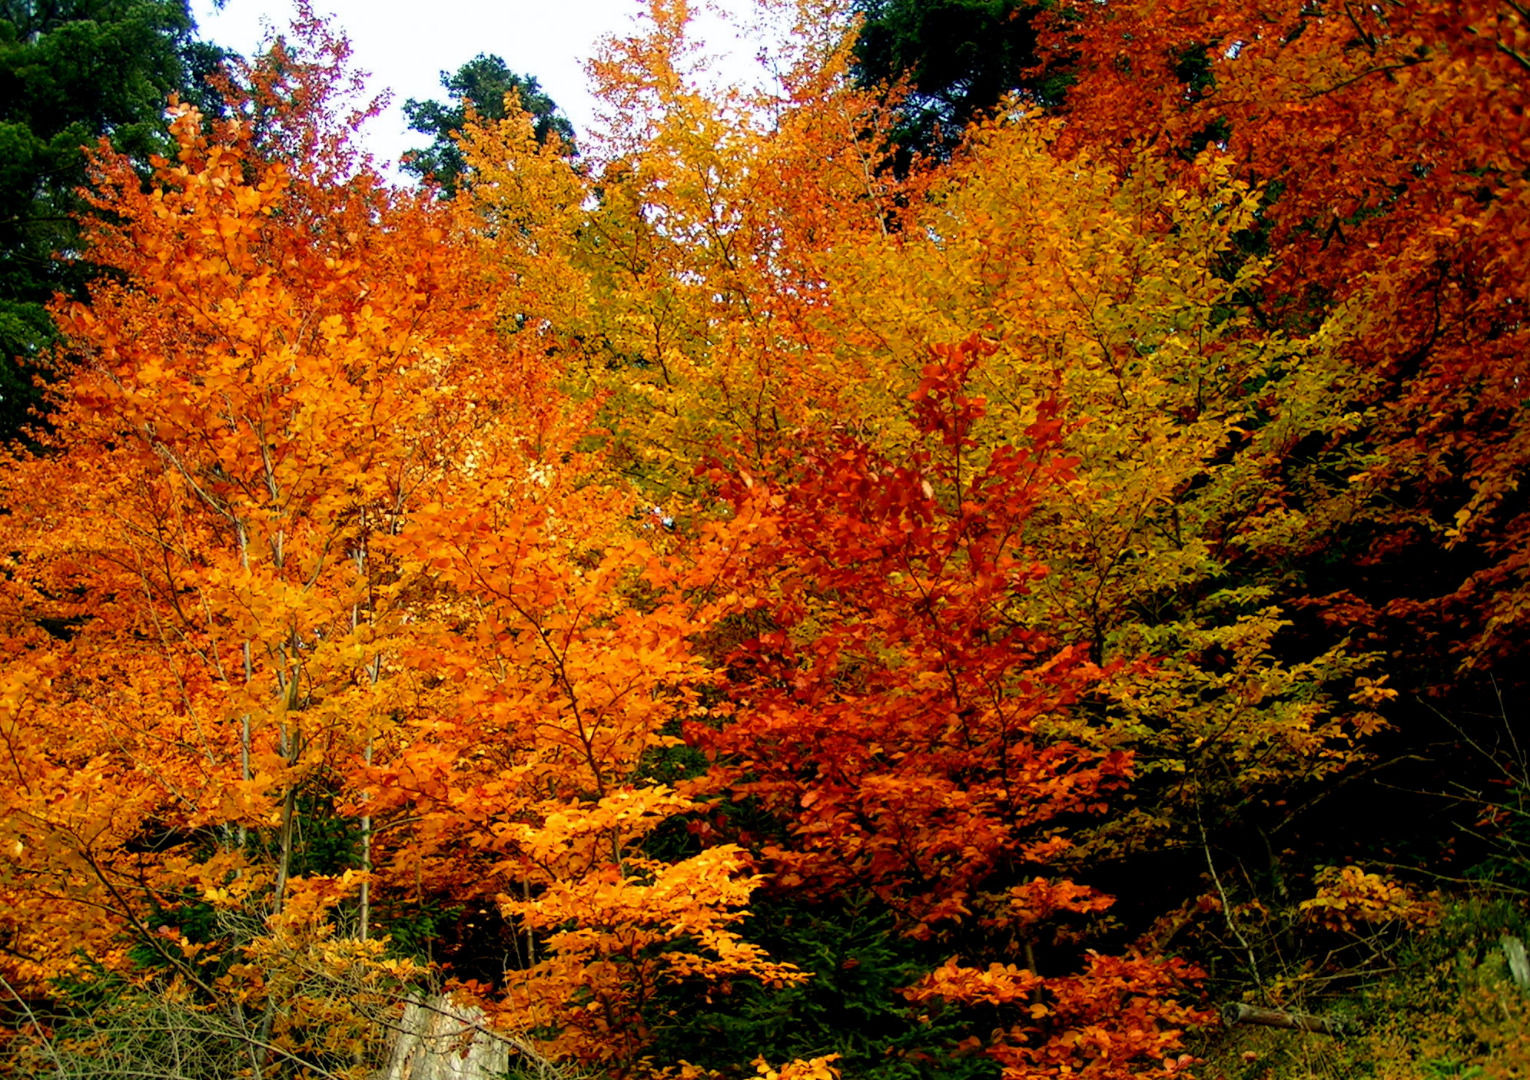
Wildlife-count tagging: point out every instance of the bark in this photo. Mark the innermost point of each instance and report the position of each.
(439, 1040)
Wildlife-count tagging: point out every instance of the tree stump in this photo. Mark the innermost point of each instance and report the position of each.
(440, 1040)
(1519, 965)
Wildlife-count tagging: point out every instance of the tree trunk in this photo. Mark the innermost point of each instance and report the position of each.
(439, 1040)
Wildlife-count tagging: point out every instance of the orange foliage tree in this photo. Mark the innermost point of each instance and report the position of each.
(316, 611)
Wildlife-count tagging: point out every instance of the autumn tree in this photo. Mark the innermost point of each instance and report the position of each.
(1387, 139)
(316, 610)
(1388, 146)
(687, 296)
(902, 713)
(196, 609)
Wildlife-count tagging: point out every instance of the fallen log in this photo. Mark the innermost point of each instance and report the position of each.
(1238, 1013)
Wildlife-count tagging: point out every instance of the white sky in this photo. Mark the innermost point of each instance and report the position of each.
(407, 46)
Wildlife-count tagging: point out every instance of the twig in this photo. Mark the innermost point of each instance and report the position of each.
(1221, 892)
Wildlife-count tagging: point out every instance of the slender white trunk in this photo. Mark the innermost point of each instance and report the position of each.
(374, 672)
(249, 675)
(366, 859)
